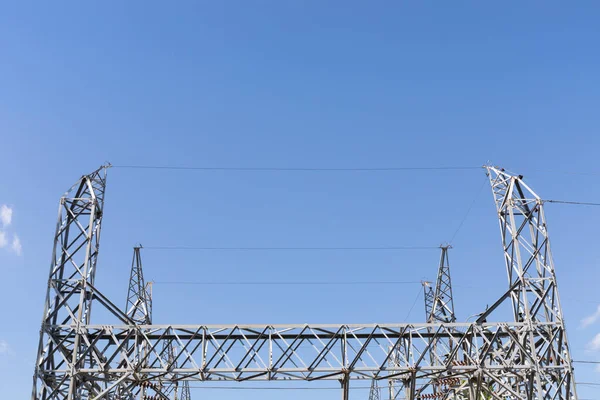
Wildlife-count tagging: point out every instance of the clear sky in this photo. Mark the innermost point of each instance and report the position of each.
(296, 84)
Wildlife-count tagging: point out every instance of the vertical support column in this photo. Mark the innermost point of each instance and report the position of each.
(345, 381)
(391, 362)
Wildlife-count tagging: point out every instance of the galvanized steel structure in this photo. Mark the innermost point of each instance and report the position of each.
(526, 357)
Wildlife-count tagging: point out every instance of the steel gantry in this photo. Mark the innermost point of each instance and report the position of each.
(526, 357)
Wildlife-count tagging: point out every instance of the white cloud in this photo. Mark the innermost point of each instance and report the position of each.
(590, 319)
(4, 347)
(16, 245)
(5, 215)
(594, 344)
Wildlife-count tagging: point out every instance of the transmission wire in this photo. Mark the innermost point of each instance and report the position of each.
(577, 203)
(413, 305)
(468, 211)
(300, 169)
(291, 283)
(290, 248)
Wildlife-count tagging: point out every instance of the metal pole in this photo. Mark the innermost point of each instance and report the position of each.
(345, 381)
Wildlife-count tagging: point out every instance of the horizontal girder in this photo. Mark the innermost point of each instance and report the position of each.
(311, 352)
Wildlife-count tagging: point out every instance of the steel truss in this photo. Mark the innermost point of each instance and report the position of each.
(139, 309)
(526, 358)
(439, 305)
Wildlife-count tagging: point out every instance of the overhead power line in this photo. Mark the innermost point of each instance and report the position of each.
(577, 203)
(291, 248)
(289, 283)
(298, 169)
(413, 305)
(468, 211)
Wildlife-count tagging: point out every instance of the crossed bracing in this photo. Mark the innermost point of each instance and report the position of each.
(526, 358)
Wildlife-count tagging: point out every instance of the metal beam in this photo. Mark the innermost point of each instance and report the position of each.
(525, 358)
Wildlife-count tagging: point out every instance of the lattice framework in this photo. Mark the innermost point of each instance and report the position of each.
(526, 358)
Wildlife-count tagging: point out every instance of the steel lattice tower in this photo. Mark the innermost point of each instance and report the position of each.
(442, 308)
(139, 309)
(429, 297)
(525, 356)
(439, 304)
(532, 289)
(139, 296)
(63, 348)
(185, 391)
(374, 393)
(439, 308)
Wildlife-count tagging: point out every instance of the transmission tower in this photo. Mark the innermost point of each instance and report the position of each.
(442, 306)
(439, 308)
(139, 309)
(185, 391)
(523, 357)
(533, 290)
(139, 296)
(429, 297)
(374, 391)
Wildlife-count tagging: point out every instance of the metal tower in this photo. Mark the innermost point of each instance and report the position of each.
(139, 296)
(185, 391)
(374, 393)
(429, 297)
(139, 309)
(442, 307)
(439, 308)
(533, 291)
(63, 348)
(523, 356)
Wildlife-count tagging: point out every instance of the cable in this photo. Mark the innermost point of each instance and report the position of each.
(413, 305)
(468, 211)
(289, 283)
(291, 248)
(586, 362)
(299, 169)
(577, 203)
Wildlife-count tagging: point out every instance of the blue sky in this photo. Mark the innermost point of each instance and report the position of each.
(296, 84)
